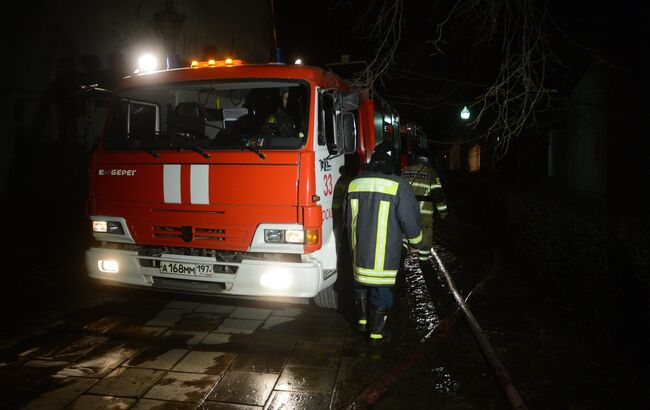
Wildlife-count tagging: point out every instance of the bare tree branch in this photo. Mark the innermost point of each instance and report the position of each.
(511, 101)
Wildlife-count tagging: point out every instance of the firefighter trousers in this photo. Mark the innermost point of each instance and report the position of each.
(381, 297)
(426, 222)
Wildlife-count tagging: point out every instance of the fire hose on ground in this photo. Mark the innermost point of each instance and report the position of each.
(500, 373)
(373, 393)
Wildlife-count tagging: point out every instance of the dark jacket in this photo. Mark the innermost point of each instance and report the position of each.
(378, 210)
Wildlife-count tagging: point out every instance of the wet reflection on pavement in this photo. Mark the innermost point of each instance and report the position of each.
(147, 350)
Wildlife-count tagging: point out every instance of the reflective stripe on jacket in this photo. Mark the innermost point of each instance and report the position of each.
(379, 209)
(425, 182)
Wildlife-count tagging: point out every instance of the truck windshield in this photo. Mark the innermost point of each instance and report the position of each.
(203, 116)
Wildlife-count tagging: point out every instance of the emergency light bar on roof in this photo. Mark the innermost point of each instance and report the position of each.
(228, 62)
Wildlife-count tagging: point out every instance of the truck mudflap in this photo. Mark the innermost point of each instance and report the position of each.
(250, 277)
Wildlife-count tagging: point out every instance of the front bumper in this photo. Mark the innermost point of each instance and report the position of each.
(305, 279)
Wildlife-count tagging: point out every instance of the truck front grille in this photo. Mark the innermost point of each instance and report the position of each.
(198, 234)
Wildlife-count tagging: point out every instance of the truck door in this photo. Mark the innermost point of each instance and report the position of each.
(328, 167)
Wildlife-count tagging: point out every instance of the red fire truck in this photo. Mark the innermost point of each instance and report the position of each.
(219, 178)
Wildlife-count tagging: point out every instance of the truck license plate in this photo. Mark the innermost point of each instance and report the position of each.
(191, 269)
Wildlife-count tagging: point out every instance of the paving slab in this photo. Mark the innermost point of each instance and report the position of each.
(226, 342)
(261, 359)
(213, 308)
(56, 393)
(325, 335)
(102, 361)
(127, 382)
(278, 322)
(70, 348)
(355, 374)
(167, 317)
(157, 357)
(199, 321)
(242, 326)
(282, 400)
(288, 312)
(313, 354)
(314, 379)
(105, 324)
(183, 387)
(244, 388)
(138, 332)
(93, 402)
(205, 362)
(183, 305)
(299, 324)
(250, 313)
(278, 340)
(149, 404)
(181, 338)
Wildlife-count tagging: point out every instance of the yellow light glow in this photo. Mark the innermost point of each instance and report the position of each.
(228, 61)
(195, 63)
(211, 62)
(311, 236)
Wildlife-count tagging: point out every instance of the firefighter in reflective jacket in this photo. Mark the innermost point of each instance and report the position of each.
(425, 182)
(379, 209)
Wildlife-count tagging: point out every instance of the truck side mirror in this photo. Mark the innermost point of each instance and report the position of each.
(349, 140)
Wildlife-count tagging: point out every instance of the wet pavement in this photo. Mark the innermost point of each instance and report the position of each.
(144, 350)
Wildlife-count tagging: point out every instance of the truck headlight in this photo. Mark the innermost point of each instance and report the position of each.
(294, 236)
(108, 265)
(100, 226)
(108, 227)
(284, 236)
(274, 235)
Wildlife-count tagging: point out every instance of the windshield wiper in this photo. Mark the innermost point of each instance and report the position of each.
(199, 150)
(150, 151)
(194, 147)
(138, 144)
(253, 145)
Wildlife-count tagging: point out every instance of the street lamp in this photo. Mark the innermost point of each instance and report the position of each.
(465, 113)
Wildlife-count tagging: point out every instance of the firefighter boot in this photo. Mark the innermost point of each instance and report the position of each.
(362, 312)
(379, 333)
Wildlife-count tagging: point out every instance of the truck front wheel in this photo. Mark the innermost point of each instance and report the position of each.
(327, 298)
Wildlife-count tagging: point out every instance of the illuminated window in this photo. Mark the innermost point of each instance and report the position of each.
(474, 158)
(454, 157)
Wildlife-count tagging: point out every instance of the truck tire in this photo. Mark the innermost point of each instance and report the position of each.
(327, 298)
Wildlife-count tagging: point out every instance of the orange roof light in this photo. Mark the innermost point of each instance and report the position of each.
(228, 62)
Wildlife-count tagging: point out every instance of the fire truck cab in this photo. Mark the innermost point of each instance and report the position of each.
(219, 178)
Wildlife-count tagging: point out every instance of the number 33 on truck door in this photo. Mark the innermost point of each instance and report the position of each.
(327, 179)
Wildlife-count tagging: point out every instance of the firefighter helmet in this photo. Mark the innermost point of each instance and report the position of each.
(383, 158)
(421, 154)
(383, 152)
